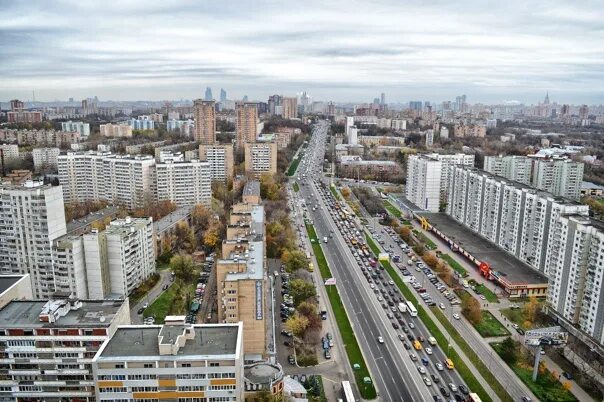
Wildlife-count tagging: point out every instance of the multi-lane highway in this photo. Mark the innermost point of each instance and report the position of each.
(396, 375)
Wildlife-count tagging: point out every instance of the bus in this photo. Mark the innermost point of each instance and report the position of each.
(412, 310)
(347, 391)
(473, 397)
(449, 364)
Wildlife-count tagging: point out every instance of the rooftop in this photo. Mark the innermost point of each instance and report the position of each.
(143, 341)
(6, 281)
(514, 270)
(78, 225)
(172, 219)
(252, 187)
(90, 313)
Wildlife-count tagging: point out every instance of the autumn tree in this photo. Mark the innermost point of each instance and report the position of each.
(345, 191)
(200, 215)
(212, 234)
(405, 233)
(531, 309)
(471, 309)
(297, 324)
(430, 259)
(301, 290)
(183, 267)
(185, 237)
(294, 260)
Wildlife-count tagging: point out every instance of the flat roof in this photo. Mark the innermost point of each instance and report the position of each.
(6, 281)
(143, 341)
(92, 313)
(172, 218)
(510, 267)
(252, 187)
(82, 223)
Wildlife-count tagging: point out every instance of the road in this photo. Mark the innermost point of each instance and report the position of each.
(164, 279)
(395, 375)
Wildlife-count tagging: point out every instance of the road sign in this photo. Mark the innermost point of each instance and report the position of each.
(549, 336)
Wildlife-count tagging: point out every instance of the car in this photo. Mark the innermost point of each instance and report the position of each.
(165, 287)
(427, 381)
(327, 354)
(413, 357)
(463, 389)
(425, 361)
(456, 316)
(287, 333)
(291, 360)
(482, 297)
(567, 375)
(140, 310)
(435, 378)
(452, 387)
(526, 399)
(515, 326)
(380, 340)
(439, 366)
(437, 398)
(411, 325)
(401, 338)
(429, 351)
(145, 305)
(441, 305)
(406, 345)
(395, 325)
(421, 369)
(445, 392)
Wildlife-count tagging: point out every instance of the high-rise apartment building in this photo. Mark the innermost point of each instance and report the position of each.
(247, 118)
(142, 123)
(260, 157)
(241, 279)
(108, 263)
(184, 183)
(575, 289)
(513, 216)
(32, 217)
(220, 158)
(81, 175)
(512, 167)
(80, 127)
(48, 347)
(205, 121)
(562, 177)
(290, 107)
(16, 105)
(429, 138)
(274, 105)
(45, 158)
(171, 362)
(9, 151)
(423, 182)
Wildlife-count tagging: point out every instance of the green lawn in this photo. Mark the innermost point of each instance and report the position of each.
(160, 308)
(335, 193)
(392, 209)
(341, 318)
(490, 326)
(546, 388)
(430, 245)
(483, 290)
(296, 187)
(294, 165)
(441, 339)
(455, 265)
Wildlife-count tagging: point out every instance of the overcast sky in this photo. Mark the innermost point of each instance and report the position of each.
(338, 50)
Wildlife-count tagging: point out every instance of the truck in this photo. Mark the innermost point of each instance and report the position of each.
(402, 307)
(432, 341)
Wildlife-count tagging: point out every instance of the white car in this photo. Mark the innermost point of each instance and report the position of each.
(452, 387)
(427, 381)
(421, 369)
(429, 351)
(482, 297)
(380, 339)
(441, 305)
(439, 367)
(456, 316)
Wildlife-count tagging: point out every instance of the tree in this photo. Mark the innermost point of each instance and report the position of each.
(297, 324)
(531, 309)
(419, 249)
(294, 260)
(509, 351)
(345, 191)
(301, 290)
(405, 233)
(200, 215)
(430, 259)
(185, 237)
(307, 309)
(183, 267)
(471, 310)
(211, 236)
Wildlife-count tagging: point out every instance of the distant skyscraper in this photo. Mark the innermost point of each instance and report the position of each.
(546, 100)
(245, 98)
(376, 101)
(223, 95)
(208, 96)
(383, 99)
(274, 103)
(415, 105)
(205, 121)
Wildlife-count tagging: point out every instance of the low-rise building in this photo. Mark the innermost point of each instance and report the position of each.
(176, 361)
(48, 346)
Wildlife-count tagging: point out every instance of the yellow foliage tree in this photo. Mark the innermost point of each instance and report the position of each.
(297, 324)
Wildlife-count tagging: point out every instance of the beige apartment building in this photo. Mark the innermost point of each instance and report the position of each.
(241, 278)
(171, 362)
(205, 121)
(246, 123)
(260, 157)
(290, 107)
(220, 158)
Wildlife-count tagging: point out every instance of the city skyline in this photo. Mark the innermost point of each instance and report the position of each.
(417, 50)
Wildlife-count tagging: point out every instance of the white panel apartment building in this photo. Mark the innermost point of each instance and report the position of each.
(184, 183)
(9, 151)
(48, 347)
(513, 216)
(45, 158)
(31, 218)
(575, 260)
(561, 177)
(512, 167)
(173, 362)
(423, 182)
(220, 158)
(81, 175)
